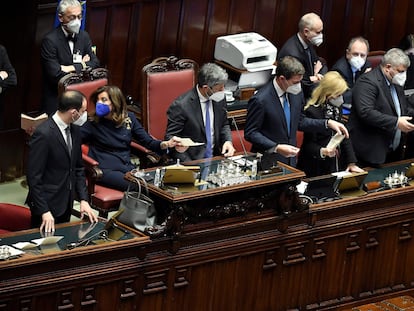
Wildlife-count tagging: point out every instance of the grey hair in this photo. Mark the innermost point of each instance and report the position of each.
(395, 57)
(308, 21)
(360, 39)
(211, 74)
(65, 4)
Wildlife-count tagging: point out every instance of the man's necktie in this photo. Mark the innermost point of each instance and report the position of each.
(68, 139)
(308, 52)
(286, 110)
(397, 136)
(209, 151)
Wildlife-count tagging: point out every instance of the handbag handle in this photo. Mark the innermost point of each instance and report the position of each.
(138, 180)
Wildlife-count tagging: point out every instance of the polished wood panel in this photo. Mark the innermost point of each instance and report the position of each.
(130, 33)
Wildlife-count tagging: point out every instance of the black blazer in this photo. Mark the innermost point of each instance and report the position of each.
(293, 47)
(185, 119)
(373, 119)
(55, 51)
(266, 124)
(344, 68)
(310, 160)
(54, 177)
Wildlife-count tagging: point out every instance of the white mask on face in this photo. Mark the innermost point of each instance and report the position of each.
(82, 119)
(357, 62)
(317, 40)
(337, 102)
(217, 96)
(400, 78)
(74, 26)
(294, 89)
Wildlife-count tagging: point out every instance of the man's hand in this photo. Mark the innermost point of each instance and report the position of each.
(404, 124)
(228, 149)
(48, 222)
(85, 208)
(4, 75)
(338, 127)
(286, 150)
(67, 69)
(86, 58)
(328, 152)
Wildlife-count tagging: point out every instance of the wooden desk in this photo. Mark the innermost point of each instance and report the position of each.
(334, 256)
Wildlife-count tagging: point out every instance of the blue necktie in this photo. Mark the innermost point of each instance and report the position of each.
(397, 136)
(209, 151)
(286, 110)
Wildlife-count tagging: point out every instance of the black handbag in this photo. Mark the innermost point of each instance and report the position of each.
(137, 209)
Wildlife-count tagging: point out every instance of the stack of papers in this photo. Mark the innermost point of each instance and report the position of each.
(38, 242)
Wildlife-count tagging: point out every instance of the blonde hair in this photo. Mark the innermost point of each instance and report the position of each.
(332, 85)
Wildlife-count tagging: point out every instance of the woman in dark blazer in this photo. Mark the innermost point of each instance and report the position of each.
(326, 103)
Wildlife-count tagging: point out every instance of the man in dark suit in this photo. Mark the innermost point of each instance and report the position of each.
(275, 113)
(380, 113)
(63, 50)
(188, 117)
(352, 65)
(8, 79)
(301, 46)
(55, 172)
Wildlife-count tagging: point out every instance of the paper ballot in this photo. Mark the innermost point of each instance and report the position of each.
(335, 141)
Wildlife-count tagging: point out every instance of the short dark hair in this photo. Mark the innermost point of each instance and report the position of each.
(70, 100)
(288, 67)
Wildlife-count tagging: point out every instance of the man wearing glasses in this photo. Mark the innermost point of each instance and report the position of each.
(65, 49)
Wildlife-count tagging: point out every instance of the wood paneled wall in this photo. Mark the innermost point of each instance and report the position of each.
(130, 33)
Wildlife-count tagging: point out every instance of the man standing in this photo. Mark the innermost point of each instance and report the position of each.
(380, 114)
(201, 114)
(8, 79)
(55, 173)
(301, 46)
(352, 65)
(275, 113)
(63, 50)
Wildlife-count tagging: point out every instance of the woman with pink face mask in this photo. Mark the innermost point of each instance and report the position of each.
(315, 158)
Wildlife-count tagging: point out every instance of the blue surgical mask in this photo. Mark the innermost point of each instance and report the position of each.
(102, 110)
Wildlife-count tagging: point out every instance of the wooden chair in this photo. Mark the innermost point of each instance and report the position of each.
(101, 198)
(163, 80)
(375, 57)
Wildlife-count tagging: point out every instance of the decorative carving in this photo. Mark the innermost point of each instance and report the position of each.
(182, 277)
(170, 63)
(155, 282)
(270, 260)
(66, 301)
(128, 289)
(294, 254)
(353, 242)
(88, 296)
(405, 232)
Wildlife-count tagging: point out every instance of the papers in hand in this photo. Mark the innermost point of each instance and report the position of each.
(26, 122)
(39, 242)
(188, 142)
(335, 141)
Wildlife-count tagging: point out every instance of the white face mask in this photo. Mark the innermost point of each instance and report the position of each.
(74, 25)
(82, 119)
(294, 89)
(400, 78)
(357, 62)
(337, 102)
(217, 96)
(317, 40)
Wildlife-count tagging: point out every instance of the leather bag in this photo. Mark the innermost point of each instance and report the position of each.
(138, 209)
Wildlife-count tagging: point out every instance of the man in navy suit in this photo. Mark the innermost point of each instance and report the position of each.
(55, 173)
(269, 127)
(187, 117)
(301, 46)
(352, 65)
(380, 114)
(63, 50)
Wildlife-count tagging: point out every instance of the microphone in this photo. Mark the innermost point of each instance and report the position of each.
(241, 142)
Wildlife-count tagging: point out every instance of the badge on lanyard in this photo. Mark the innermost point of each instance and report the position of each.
(77, 57)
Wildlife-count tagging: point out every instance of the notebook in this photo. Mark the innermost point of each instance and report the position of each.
(181, 174)
(351, 185)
